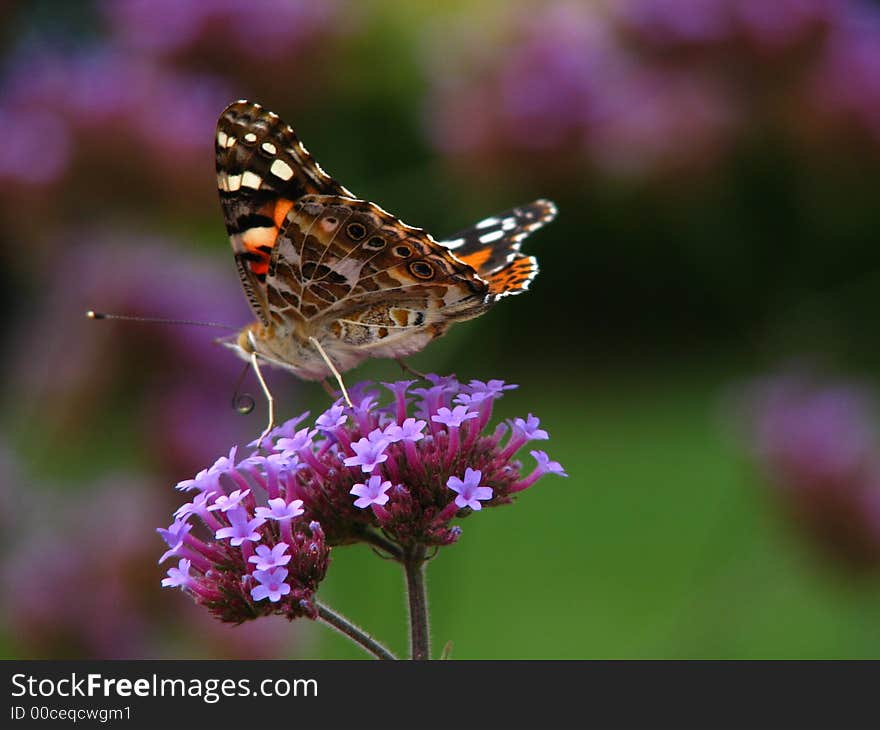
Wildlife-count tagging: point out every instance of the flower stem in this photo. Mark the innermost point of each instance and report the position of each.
(353, 632)
(377, 540)
(420, 639)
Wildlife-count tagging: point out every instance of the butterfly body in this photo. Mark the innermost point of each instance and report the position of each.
(320, 265)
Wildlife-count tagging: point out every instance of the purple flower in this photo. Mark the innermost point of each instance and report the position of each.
(202, 481)
(227, 502)
(332, 418)
(174, 535)
(469, 490)
(280, 510)
(224, 562)
(453, 418)
(302, 439)
(287, 429)
(816, 442)
(373, 492)
(272, 585)
(178, 577)
(409, 430)
(267, 558)
(491, 388)
(388, 470)
(369, 452)
(198, 506)
(529, 428)
(545, 466)
(241, 527)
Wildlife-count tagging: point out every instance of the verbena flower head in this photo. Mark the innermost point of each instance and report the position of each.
(244, 549)
(406, 465)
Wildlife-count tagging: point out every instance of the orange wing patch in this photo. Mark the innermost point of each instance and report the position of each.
(513, 278)
(477, 259)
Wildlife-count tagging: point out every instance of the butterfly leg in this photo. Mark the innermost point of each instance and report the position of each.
(405, 366)
(332, 370)
(269, 399)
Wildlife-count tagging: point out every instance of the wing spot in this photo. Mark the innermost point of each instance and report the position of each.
(251, 180)
(269, 148)
(281, 169)
(356, 231)
(421, 270)
(250, 137)
(490, 237)
(402, 251)
(375, 243)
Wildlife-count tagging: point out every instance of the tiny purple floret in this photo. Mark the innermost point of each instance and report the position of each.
(268, 558)
(272, 585)
(241, 528)
(373, 492)
(470, 493)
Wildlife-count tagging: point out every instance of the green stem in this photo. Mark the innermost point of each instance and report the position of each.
(419, 632)
(353, 632)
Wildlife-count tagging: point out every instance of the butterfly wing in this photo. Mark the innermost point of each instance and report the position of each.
(262, 168)
(364, 282)
(492, 247)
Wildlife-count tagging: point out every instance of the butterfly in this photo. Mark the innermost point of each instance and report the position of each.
(334, 279)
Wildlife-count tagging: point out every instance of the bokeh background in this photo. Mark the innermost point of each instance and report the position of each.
(701, 343)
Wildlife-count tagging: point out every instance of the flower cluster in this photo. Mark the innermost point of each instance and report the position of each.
(817, 443)
(254, 561)
(395, 475)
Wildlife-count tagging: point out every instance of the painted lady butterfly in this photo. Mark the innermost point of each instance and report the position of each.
(334, 280)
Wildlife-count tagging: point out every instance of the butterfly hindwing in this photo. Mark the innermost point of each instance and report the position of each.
(492, 246)
(337, 255)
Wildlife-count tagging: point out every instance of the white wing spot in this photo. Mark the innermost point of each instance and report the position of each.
(485, 223)
(250, 137)
(281, 169)
(221, 138)
(233, 183)
(508, 224)
(490, 237)
(251, 180)
(454, 243)
(269, 147)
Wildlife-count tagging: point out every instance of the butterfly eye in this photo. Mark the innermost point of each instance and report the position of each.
(375, 243)
(421, 270)
(356, 231)
(403, 251)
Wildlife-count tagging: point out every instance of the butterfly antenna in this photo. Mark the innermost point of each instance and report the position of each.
(91, 314)
(242, 402)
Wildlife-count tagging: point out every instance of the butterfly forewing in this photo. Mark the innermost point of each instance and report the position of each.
(262, 168)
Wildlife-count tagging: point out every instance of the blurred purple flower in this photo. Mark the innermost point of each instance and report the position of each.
(75, 598)
(110, 109)
(817, 443)
(846, 84)
(72, 362)
(642, 88)
(262, 29)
